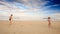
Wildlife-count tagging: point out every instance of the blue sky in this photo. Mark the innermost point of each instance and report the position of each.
(30, 9)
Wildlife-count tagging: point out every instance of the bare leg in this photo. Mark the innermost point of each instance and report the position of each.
(49, 24)
(10, 22)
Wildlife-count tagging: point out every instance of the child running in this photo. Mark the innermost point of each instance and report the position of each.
(10, 19)
(49, 22)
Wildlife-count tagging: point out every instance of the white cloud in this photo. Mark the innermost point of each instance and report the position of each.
(29, 14)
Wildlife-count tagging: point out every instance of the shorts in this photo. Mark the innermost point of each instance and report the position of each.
(9, 19)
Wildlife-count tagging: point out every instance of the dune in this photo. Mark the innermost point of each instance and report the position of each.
(29, 27)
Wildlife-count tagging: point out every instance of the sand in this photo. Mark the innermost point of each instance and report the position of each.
(29, 27)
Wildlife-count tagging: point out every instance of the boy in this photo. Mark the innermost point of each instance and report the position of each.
(10, 19)
(49, 21)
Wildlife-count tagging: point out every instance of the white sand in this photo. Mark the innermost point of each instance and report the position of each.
(29, 27)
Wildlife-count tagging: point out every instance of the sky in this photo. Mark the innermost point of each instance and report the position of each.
(29, 9)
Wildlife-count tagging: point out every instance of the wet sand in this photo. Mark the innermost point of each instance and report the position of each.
(29, 27)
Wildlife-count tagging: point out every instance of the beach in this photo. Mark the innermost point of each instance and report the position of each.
(29, 27)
